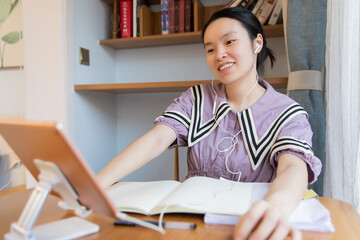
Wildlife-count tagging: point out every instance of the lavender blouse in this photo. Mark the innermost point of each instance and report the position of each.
(274, 125)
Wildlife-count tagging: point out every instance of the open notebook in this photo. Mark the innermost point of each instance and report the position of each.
(194, 195)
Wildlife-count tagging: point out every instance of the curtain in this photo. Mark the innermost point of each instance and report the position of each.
(305, 27)
(343, 101)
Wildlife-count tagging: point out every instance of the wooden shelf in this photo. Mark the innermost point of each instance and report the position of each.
(156, 87)
(175, 39)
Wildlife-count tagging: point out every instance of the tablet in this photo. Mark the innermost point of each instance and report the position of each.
(48, 142)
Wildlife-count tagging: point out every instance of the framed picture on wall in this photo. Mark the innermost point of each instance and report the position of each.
(10, 34)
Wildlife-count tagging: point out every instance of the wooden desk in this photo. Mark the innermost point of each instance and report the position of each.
(344, 216)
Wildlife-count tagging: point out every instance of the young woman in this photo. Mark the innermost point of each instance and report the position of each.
(240, 129)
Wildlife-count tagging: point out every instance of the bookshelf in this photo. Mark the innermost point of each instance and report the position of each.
(150, 28)
(150, 37)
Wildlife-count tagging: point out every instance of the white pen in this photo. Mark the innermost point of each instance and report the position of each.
(174, 225)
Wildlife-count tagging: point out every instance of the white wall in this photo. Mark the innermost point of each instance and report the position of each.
(44, 58)
(11, 95)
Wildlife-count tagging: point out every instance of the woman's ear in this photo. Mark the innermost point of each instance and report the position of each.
(258, 42)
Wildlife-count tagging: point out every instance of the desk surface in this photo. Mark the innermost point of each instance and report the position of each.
(344, 217)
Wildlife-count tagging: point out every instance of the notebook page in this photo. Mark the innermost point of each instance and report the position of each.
(140, 197)
(203, 194)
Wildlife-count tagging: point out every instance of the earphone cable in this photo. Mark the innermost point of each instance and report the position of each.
(233, 139)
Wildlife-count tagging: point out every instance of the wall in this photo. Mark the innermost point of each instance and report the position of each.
(44, 56)
(11, 95)
(95, 114)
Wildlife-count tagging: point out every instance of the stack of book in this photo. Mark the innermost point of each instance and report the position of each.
(267, 11)
(176, 16)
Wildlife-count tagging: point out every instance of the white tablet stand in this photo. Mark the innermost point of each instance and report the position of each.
(51, 177)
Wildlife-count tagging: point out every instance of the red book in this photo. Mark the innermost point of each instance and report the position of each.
(171, 16)
(126, 18)
(182, 16)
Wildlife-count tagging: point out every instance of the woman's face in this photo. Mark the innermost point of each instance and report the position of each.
(229, 51)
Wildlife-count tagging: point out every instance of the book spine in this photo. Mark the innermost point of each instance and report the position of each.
(261, 8)
(171, 15)
(164, 17)
(250, 4)
(229, 4)
(235, 3)
(134, 26)
(276, 13)
(177, 17)
(115, 20)
(257, 7)
(139, 3)
(181, 16)
(188, 15)
(266, 12)
(126, 18)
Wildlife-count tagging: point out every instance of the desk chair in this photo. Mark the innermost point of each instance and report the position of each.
(176, 164)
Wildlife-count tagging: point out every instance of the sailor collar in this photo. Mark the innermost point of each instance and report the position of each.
(257, 148)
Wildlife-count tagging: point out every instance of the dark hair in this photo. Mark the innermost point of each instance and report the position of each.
(252, 25)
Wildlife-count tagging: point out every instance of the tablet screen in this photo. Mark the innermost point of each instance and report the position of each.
(48, 142)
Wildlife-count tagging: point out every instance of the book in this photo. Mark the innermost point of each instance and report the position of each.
(251, 5)
(234, 3)
(195, 195)
(229, 3)
(275, 16)
(258, 7)
(116, 21)
(246, 3)
(171, 9)
(136, 19)
(164, 17)
(266, 11)
(188, 15)
(126, 18)
(181, 16)
(177, 16)
(134, 16)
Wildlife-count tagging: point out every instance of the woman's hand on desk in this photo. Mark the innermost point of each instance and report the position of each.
(265, 221)
(268, 219)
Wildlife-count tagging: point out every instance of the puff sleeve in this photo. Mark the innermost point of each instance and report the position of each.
(177, 116)
(295, 138)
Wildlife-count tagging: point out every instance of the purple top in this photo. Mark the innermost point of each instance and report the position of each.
(274, 125)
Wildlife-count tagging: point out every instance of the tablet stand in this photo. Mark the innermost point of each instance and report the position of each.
(51, 177)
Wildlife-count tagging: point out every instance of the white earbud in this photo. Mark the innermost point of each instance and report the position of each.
(258, 46)
(214, 107)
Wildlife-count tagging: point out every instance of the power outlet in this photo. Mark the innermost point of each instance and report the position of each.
(84, 56)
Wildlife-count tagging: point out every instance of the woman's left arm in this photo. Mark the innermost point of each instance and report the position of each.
(268, 219)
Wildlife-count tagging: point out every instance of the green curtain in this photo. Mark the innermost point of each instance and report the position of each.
(305, 39)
